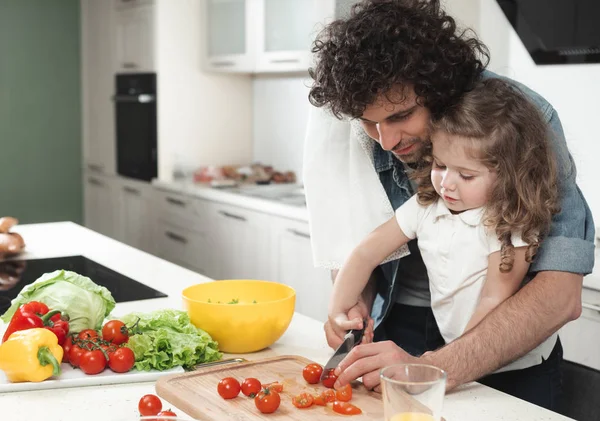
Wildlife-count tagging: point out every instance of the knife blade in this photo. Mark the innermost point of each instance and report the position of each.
(351, 339)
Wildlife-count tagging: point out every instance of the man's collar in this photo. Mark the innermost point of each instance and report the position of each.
(470, 217)
(382, 160)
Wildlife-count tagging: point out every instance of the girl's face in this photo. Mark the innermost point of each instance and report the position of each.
(462, 181)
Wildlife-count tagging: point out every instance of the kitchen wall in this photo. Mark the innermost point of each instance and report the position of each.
(573, 90)
(40, 129)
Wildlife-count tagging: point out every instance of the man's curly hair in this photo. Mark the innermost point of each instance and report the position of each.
(388, 43)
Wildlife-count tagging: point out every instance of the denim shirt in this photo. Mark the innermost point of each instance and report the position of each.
(569, 246)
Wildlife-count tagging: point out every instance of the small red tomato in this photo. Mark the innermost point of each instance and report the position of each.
(346, 408)
(267, 401)
(87, 334)
(229, 388)
(275, 386)
(121, 360)
(329, 378)
(92, 362)
(67, 348)
(312, 373)
(303, 400)
(167, 413)
(75, 354)
(343, 394)
(149, 405)
(251, 387)
(116, 332)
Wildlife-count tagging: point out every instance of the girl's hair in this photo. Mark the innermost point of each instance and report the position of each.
(511, 138)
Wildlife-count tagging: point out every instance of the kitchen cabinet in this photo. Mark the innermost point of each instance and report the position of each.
(265, 36)
(292, 264)
(97, 64)
(135, 39)
(120, 4)
(581, 338)
(240, 242)
(100, 203)
(136, 219)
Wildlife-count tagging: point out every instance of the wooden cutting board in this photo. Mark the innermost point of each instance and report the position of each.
(196, 393)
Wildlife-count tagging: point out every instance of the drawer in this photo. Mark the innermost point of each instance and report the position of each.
(184, 247)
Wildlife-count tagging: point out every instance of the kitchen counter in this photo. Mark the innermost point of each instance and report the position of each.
(304, 337)
(265, 202)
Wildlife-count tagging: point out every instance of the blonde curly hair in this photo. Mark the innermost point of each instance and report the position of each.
(511, 138)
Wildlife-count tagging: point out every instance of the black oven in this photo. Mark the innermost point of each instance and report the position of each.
(135, 107)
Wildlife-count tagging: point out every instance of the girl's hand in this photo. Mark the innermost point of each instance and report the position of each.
(339, 324)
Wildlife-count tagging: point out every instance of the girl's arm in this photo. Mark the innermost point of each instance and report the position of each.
(354, 274)
(499, 286)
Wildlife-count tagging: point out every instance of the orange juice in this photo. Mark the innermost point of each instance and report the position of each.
(412, 416)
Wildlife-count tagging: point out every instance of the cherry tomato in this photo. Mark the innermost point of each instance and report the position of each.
(346, 408)
(328, 395)
(168, 413)
(121, 360)
(66, 348)
(329, 378)
(116, 332)
(319, 400)
(251, 387)
(228, 388)
(344, 394)
(267, 401)
(275, 386)
(312, 373)
(92, 362)
(303, 400)
(87, 334)
(149, 405)
(75, 354)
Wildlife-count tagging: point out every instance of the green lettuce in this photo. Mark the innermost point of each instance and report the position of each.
(86, 303)
(165, 339)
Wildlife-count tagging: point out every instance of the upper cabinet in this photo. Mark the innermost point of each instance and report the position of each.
(265, 36)
(135, 38)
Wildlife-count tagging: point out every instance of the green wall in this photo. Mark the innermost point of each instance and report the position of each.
(40, 111)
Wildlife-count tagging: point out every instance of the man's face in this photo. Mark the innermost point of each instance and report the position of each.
(401, 127)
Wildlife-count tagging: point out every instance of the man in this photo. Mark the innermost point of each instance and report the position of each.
(392, 66)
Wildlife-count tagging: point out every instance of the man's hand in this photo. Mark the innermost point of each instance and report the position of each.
(336, 327)
(367, 360)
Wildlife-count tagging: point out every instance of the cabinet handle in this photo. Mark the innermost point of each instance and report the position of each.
(285, 60)
(95, 182)
(233, 216)
(97, 168)
(129, 65)
(299, 233)
(132, 190)
(591, 307)
(176, 237)
(176, 202)
(222, 63)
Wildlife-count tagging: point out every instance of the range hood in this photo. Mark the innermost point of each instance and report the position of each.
(557, 31)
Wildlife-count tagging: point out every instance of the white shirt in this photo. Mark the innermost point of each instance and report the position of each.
(455, 249)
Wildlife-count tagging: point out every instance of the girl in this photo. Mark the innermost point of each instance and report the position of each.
(485, 200)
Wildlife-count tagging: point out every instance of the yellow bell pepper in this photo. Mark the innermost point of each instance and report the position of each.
(31, 355)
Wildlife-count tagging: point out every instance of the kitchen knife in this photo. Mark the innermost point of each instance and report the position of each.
(351, 339)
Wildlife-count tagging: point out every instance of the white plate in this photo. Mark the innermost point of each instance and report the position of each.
(74, 377)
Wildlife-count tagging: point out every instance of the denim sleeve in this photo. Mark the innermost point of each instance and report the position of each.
(569, 246)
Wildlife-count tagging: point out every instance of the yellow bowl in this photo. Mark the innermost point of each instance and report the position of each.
(242, 315)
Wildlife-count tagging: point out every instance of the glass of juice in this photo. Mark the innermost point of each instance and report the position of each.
(413, 392)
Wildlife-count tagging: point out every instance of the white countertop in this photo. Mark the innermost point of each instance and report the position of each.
(304, 337)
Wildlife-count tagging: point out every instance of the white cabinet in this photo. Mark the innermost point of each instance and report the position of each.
(135, 39)
(292, 264)
(581, 338)
(240, 242)
(136, 218)
(97, 58)
(100, 204)
(120, 4)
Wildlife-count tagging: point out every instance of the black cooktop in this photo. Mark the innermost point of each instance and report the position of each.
(15, 274)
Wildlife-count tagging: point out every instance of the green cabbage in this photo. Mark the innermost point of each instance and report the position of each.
(86, 303)
(165, 339)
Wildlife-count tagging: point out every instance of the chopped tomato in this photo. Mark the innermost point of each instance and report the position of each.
(267, 401)
(312, 373)
(319, 400)
(303, 400)
(276, 386)
(329, 378)
(328, 395)
(346, 408)
(343, 394)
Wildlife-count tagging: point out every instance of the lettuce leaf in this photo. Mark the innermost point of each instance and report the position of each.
(86, 303)
(166, 338)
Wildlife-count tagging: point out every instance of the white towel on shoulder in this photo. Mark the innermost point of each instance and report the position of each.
(345, 198)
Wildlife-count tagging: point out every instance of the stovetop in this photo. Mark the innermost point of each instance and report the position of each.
(15, 274)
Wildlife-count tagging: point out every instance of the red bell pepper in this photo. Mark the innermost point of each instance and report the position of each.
(37, 315)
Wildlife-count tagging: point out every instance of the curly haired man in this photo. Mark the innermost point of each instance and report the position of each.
(392, 67)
